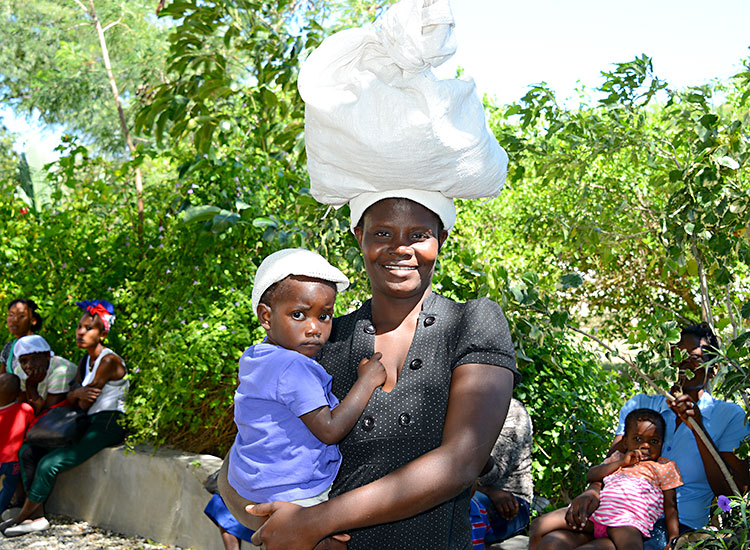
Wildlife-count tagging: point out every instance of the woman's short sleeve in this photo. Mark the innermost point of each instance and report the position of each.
(484, 338)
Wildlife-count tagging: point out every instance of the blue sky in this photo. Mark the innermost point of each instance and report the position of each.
(506, 46)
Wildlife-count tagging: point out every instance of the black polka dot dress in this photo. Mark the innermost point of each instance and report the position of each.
(398, 426)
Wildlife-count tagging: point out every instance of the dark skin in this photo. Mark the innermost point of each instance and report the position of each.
(685, 406)
(9, 388)
(36, 365)
(400, 242)
(20, 320)
(300, 319)
(90, 336)
(505, 503)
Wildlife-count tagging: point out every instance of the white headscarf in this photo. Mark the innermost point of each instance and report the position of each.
(377, 121)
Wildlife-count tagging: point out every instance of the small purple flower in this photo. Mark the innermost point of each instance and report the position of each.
(182, 322)
(169, 271)
(205, 325)
(135, 325)
(81, 269)
(196, 282)
(190, 301)
(179, 308)
(222, 327)
(161, 245)
(136, 370)
(161, 228)
(190, 191)
(197, 268)
(724, 503)
(236, 304)
(64, 265)
(150, 247)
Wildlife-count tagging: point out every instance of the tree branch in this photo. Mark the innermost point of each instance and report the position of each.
(708, 315)
(730, 305)
(121, 114)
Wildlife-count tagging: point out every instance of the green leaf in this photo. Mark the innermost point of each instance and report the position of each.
(745, 310)
(692, 267)
(201, 213)
(265, 222)
(728, 162)
(571, 280)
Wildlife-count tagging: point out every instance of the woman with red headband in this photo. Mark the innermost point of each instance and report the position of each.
(103, 388)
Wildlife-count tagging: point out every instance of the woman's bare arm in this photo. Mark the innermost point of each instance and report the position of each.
(110, 368)
(478, 402)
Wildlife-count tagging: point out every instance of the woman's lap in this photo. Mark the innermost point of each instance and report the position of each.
(40, 467)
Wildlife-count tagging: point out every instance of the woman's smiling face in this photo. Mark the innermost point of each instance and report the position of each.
(400, 243)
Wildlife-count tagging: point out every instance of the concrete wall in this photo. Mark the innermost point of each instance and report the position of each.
(155, 494)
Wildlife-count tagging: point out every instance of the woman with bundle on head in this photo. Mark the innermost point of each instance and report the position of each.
(103, 388)
(397, 145)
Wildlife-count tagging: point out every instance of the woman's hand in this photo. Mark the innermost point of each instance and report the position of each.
(504, 502)
(36, 375)
(276, 533)
(685, 408)
(85, 396)
(581, 508)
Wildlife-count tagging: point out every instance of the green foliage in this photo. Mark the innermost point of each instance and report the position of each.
(51, 63)
(733, 532)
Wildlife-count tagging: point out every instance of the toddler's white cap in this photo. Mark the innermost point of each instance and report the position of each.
(294, 261)
(31, 344)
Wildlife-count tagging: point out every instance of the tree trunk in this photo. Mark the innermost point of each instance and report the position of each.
(121, 114)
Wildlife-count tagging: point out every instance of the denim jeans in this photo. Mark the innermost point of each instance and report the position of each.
(659, 536)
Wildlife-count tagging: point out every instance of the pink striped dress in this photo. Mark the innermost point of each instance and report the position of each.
(634, 496)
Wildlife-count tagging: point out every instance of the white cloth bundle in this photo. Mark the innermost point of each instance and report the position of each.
(377, 119)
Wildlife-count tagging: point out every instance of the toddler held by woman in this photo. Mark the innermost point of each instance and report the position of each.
(288, 420)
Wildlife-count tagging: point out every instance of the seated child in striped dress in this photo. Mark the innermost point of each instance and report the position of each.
(639, 486)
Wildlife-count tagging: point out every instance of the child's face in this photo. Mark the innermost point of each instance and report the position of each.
(643, 437)
(301, 315)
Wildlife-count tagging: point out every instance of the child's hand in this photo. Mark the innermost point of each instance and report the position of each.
(631, 458)
(373, 369)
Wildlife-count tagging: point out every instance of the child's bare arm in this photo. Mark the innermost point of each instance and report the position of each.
(330, 426)
(598, 473)
(671, 517)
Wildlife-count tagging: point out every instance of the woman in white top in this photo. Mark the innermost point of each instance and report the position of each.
(104, 386)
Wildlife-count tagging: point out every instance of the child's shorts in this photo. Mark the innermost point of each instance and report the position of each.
(236, 503)
(600, 531)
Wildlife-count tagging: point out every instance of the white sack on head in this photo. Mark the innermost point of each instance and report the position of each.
(377, 119)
